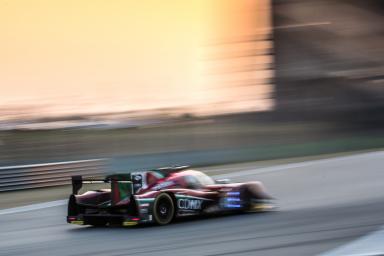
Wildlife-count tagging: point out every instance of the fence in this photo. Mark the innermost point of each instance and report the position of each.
(46, 175)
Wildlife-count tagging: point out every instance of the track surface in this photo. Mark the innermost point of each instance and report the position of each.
(322, 205)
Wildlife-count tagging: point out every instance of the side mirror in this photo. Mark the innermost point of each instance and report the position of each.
(223, 181)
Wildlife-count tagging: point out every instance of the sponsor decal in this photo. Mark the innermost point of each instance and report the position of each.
(189, 204)
(137, 182)
(233, 193)
(137, 178)
(231, 200)
(163, 185)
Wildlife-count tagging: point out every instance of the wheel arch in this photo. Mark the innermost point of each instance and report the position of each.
(256, 189)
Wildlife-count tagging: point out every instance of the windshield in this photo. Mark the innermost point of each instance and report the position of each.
(204, 179)
(199, 179)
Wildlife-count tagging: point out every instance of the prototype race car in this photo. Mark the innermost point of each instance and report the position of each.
(159, 196)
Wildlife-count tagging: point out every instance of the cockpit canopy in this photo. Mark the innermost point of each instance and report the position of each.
(196, 179)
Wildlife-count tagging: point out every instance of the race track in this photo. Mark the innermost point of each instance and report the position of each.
(323, 204)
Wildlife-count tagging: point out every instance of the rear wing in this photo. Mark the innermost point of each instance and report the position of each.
(78, 181)
(137, 180)
(121, 190)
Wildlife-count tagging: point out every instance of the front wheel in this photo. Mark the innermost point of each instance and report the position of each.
(163, 209)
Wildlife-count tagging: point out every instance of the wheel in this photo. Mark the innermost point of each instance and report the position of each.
(163, 209)
(253, 202)
(246, 198)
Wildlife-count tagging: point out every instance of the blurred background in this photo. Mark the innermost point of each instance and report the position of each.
(286, 92)
(153, 83)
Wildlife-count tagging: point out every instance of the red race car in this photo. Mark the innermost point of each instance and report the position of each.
(159, 196)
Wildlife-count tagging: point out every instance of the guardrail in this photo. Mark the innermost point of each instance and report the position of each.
(47, 175)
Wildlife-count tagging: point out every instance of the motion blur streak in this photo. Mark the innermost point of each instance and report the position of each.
(322, 206)
(33, 207)
(150, 83)
(63, 57)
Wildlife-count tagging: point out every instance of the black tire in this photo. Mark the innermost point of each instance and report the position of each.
(246, 198)
(163, 209)
(252, 203)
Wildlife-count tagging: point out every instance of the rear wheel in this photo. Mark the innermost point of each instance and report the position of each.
(163, 209)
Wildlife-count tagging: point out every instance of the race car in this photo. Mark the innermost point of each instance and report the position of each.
(159, 196)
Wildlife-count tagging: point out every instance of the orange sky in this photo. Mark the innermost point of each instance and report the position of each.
(99, 55)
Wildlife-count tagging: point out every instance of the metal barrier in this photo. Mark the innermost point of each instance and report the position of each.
(47, 175)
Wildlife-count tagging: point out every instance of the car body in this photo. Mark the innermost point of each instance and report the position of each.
(159, 196)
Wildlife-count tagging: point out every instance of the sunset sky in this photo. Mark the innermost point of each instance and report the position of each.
(94, 55)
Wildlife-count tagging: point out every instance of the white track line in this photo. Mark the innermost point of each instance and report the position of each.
(369, 245)
(33, 207)
(276, 168)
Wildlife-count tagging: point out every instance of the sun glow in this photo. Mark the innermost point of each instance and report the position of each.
(101, 56)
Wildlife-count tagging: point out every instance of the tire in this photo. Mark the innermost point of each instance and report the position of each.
(252, 203)
(246, 199)
(163, 209)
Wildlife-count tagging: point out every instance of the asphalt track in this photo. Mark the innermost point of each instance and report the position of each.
(323, 204)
